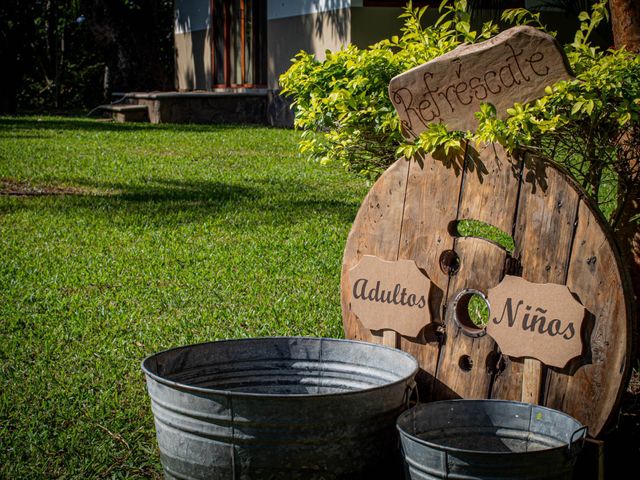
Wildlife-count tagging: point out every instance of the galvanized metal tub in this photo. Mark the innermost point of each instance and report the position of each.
(488, 439)
(279, 408)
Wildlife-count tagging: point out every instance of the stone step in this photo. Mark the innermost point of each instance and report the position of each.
(127, 113)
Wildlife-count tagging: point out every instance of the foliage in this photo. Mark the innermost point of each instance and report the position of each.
(345, 99)
(72, 53)
(134, 238)
(64, 71)
(590, 124)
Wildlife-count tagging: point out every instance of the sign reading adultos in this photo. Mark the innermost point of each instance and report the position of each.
(390, 295)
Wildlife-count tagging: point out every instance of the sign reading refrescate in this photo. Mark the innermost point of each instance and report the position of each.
(390, 295)
(514, 66)
(536, 320)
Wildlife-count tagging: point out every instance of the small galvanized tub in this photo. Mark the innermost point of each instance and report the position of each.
(279, 408)
(488, 439)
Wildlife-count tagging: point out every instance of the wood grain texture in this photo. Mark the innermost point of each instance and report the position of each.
(558, 239)
(390, 338)
(376, 231)
(531, 381)
(432, 202)
(595, 276)
(489, 174)
(543, 234)
(514, 66)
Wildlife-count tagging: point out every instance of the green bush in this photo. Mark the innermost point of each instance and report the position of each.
(590, 124)
(342, 103)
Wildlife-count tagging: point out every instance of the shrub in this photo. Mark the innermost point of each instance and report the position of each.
(590, 124)
(342, 105)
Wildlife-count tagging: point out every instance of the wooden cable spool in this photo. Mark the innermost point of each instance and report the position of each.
(411, 213)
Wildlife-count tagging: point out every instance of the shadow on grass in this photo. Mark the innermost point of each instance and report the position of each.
(71, 124)
(167, 202)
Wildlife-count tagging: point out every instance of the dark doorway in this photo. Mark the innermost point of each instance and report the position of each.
(239, 43)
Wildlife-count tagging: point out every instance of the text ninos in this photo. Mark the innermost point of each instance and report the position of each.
(535, 321)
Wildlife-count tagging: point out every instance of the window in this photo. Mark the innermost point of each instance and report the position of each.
(239, 43)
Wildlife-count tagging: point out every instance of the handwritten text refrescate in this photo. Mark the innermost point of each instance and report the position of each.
(438, 99)
(515, 66)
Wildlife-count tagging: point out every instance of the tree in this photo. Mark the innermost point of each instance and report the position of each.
(134, 38)
(17, 28)
(56, 52)
(625, 21)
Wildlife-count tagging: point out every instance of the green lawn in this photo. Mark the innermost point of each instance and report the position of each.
(117, 241)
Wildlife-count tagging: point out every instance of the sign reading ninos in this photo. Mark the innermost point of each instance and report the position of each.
(390, 295)
(536, 320)
(514, 66)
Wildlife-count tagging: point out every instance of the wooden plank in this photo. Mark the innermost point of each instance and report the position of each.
(390, 338)
(531, 381)
(543, 235)
(489, 194)
(594, 391)
(432, 202)
(376, 231)
(462, 368)
(591, 461)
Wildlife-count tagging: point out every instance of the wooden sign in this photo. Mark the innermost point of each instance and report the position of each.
(536, 320)
(390, 295)
(514, 66)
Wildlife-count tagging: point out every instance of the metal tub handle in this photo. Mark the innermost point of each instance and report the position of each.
(578, 436)
(411, 395)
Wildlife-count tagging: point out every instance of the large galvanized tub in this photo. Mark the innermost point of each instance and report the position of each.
(279, 408)
(488, 439)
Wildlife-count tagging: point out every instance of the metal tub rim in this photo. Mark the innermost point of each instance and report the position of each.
(146, 368)
(579, 433)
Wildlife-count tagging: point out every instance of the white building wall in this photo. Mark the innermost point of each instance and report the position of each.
(293, 8)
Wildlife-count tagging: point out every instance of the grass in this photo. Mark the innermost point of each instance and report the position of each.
(117, 241)
(476, 228)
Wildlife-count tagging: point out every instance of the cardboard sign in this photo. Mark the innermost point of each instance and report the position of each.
(514, 66)
(390, 295)
(536, 320)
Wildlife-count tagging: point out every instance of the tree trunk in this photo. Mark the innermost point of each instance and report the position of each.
(625, 22)
(627, 232)
(10, 79)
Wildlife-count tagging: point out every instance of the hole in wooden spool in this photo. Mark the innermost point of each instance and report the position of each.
(495, 363)
(478, 229)
(465, 363)
(478, 310)
(470, 310)
(449, 262)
